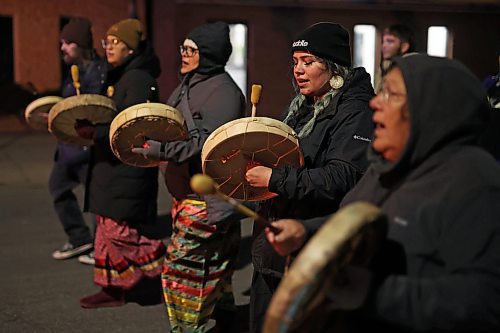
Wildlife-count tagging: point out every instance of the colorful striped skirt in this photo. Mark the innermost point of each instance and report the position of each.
(198, 267)
(123, 256)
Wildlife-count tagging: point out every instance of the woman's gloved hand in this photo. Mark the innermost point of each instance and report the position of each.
(151, 149)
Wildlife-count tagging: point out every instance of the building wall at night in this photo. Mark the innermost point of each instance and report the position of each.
(273, 24)
(474, 25)
(36, 26)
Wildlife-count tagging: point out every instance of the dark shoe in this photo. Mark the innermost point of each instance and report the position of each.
(107, 297)
(147, 292)
(224, 321)
(69, 251)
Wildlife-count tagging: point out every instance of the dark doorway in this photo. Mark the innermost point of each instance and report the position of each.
(6, 51)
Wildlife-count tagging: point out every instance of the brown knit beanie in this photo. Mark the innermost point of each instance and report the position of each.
(78, 30)
(129, 31)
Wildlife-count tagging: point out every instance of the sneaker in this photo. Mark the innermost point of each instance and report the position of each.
(87, 259)
(107, 297)
(69, 251)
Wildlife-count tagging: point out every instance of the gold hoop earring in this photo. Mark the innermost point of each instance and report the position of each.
(336, 82)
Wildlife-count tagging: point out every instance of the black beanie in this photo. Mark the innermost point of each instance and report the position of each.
(326, 40)
(78, 30)
(214, 46)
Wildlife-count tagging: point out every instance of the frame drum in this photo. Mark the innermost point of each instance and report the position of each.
(243, 143)
(37, 111)
(62, 117)
(350, 237)
(147, 121)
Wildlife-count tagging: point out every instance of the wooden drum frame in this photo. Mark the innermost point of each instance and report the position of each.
(301, 302)
(36, 113)
(147, 121)
(240, 144)
(62, 116)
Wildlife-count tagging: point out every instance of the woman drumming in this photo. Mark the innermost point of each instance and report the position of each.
(122, 196)
(331, 115)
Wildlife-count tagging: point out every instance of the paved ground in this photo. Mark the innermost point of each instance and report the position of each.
(39, 294)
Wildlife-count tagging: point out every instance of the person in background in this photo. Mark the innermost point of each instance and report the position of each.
(491, 135)
(440, 191)
(331, 115)
(206, 231)
(70, 162)
(123, 197)
(397, 40)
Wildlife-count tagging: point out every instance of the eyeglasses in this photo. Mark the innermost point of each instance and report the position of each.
(389, 96)
(113, 42)
(190, 51)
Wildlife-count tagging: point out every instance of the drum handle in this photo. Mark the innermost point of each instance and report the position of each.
(76, 78)
(255, 97)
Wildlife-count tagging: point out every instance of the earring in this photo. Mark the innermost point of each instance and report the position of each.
(336, 82)
(130, 51)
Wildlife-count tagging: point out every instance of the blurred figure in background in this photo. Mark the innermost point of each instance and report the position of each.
(70, 161)
(397, 40)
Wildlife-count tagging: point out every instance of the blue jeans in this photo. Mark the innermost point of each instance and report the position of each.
(65, 176)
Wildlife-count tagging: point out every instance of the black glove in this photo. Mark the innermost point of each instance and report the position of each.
(84, 128)
(150, 150)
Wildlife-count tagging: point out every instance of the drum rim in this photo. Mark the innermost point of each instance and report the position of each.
(329, 240)
(67, 104)
(124, 118)
(42, 101)
(209, 146)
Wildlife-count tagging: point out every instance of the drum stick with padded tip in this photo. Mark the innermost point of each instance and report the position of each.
(76, 78)
(256, 91)
(203, 184)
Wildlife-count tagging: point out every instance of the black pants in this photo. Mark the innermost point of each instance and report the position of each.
(63, 179)
(263, 288)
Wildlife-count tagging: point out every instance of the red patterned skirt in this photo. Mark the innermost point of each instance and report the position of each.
(123, 256)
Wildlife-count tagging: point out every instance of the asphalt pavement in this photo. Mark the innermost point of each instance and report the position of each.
(40, 294)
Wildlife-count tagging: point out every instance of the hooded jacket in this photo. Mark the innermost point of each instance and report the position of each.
(208, 98)
(442, 201)
(334, 160)
(115, 189)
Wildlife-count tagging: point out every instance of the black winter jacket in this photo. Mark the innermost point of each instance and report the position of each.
(335, 159)
(442, 200)
(115, 189)
(334, 154)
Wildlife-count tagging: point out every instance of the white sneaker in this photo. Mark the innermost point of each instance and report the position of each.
(68, 251)
(87, 259)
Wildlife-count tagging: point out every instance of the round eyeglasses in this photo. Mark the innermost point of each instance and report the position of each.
(389, 96)
(113, 42)
(188, 50)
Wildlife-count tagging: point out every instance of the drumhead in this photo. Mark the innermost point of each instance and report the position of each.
(62, 116)
(136, 124)
(37, 111)
(242, 143)
(349, 237)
